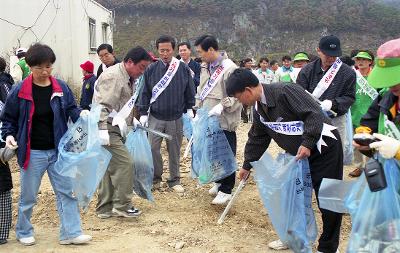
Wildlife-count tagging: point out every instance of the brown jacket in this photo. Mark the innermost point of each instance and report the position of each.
(112, 91)
(230, 117)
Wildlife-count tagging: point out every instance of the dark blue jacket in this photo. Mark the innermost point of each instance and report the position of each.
(18, 112)
(196, 68)
(87, 92)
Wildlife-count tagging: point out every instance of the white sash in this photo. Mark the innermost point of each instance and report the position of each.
(327, 79)
(165, 80)
(215, 77)
(128, 106)
(364, 85)
(297, 128)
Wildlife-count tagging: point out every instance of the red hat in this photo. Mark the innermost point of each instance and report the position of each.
(87, 66)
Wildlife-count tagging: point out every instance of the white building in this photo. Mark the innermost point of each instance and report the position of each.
(72, 28)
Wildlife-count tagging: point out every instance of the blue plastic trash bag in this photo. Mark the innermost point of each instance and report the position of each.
(187, 126)
(285, 188)
(143, 169)
(212, 157)
(348, 149)
(333, 193)
(82, 158)
(376, 215)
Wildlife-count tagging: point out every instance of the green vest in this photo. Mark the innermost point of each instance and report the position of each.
(24, 67)
(360, 106)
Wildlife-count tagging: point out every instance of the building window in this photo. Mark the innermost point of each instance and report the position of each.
(92, 34)
(104, 30)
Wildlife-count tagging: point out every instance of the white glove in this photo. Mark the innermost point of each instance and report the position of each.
(326, 105)
(387, 146)
(84, 113)
(144, 120)
(104, 137)
(216, 110)
(135, 123)
(11, 143)
(121, 122)
(190, 113)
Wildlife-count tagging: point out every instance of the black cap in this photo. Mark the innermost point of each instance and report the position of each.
(330, 46)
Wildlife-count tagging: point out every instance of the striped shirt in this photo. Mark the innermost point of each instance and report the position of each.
(174, 100)
(284, 102)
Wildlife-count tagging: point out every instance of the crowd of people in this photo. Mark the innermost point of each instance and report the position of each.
(319, 90)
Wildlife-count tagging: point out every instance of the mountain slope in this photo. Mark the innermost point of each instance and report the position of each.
(256, 27)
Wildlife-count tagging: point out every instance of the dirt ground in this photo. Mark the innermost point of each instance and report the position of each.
(173, 219)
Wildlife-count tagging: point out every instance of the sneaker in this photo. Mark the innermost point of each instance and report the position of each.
(221, 198)
(337, 251)
(3, 241)
(214, 190)
(277, 245)
(27, 241)
(105, 215)
(130, 213)
(178, 188)
(82, 239)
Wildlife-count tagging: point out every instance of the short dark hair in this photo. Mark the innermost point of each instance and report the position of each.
(166, 39)
(273, 62)
(286, 57)
(137, 54)
(185, 43)
(206, 41)
(263, 59)
(105, 46)
(239, 80)
(21, 54)
(38, 54)
(3, 64)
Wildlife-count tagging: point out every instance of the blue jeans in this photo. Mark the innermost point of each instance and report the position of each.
(67, 205)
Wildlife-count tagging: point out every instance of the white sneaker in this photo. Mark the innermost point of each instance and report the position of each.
(105, 215)
(27, 241)
(337, 251)
(77, 240)
(221, 198)
(214, 190)
(277, 245)
(178, 188)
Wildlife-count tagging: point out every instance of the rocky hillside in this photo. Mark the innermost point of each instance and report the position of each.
(256, 27)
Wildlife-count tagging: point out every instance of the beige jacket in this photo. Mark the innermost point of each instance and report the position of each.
(112, 91)
(230, 117)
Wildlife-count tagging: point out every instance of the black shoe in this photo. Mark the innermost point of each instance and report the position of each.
(3, 241)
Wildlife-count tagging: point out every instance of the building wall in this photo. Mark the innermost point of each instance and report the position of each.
(61, 24)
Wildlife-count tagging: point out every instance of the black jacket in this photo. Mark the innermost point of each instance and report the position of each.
(382, 103)
(342, 91)
(196, 68)
(285, 102)
(6, 82)
(100, 69)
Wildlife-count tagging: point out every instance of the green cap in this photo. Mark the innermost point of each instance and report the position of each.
(385, 74)
(301, 57)
(363, 55)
